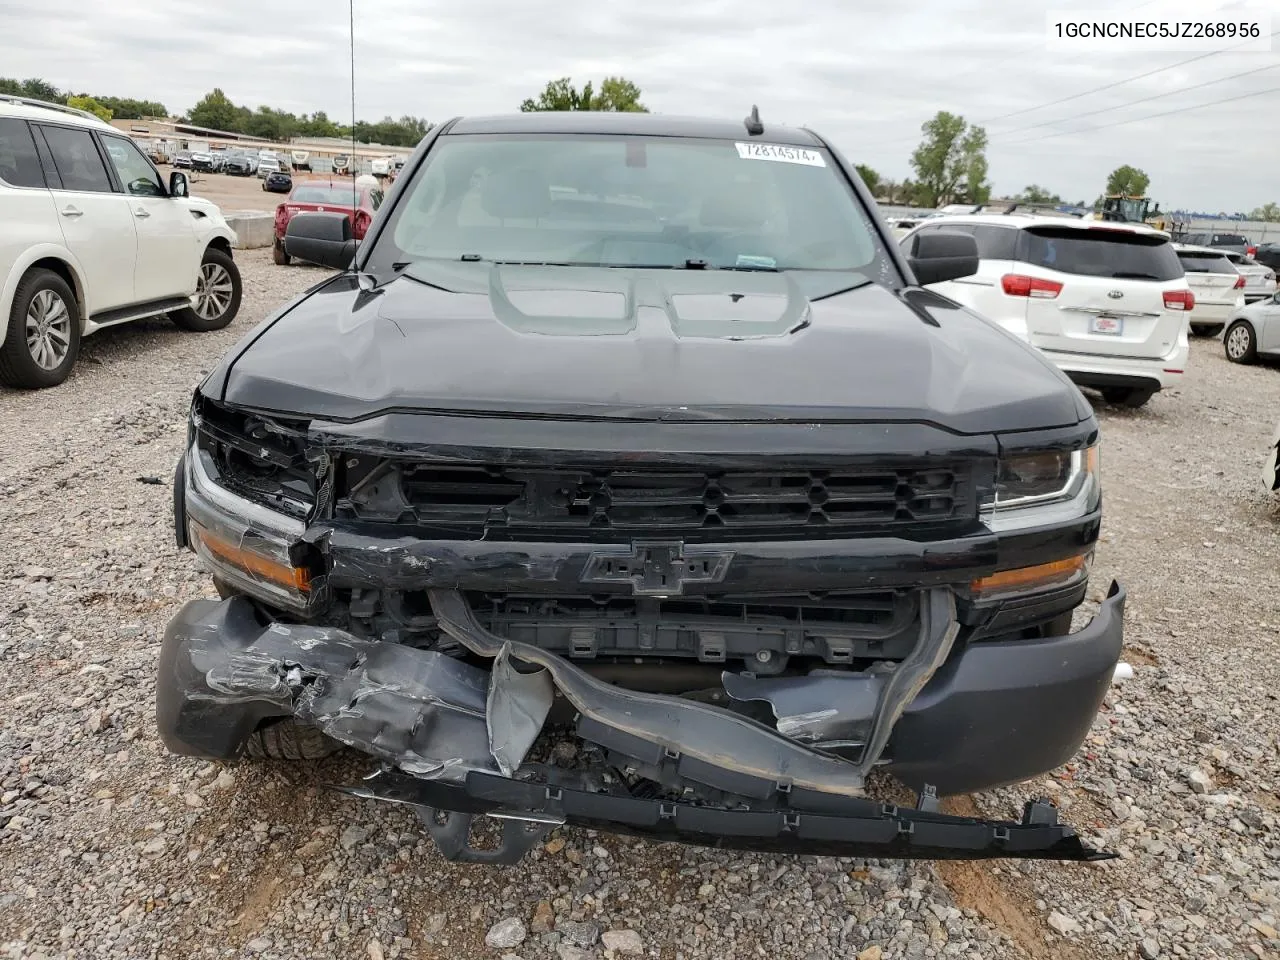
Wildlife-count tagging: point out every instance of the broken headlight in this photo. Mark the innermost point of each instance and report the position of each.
(1043, 488)
(246, 544)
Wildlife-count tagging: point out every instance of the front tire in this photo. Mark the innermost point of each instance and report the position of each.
(217, 298)
(1131, 397)
(286, 739)
(1240, 343)
(43, 338)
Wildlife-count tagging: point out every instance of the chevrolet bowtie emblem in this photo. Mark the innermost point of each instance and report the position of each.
(657, 568)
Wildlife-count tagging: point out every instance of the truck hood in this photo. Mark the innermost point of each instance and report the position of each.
(575, 342)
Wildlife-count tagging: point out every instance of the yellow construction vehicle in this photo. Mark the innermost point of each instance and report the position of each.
(1124, 208)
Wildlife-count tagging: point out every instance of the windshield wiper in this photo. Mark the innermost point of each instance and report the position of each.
(1133, 276)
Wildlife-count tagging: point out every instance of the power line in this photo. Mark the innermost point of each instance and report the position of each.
(1150, 116)
(1134, 103)
(1077, 96)
(1118, 83)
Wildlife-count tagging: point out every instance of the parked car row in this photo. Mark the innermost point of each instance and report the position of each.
(1111, 304)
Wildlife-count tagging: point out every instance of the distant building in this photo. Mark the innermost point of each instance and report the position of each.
(162, 138)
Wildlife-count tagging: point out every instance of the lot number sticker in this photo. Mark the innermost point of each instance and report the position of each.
(780, 152)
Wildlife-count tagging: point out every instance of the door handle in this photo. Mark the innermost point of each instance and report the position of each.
(72, 212)
(140, 213)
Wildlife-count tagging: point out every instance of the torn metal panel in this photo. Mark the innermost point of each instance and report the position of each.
(516, 708)
(421, 710)
(856, 709)
(938, 629)
(826, 707)
(717, 738)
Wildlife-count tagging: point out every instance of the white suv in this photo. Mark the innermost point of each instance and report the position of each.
(91, 236)
(1107, 302)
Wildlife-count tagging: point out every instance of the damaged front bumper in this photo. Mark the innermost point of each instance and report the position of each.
(455, 736)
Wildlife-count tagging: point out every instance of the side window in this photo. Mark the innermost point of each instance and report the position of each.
(995, 243)
(19, 162)
(135, 170)
(77, 159)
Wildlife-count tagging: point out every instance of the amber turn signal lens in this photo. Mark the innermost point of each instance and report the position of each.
(295, 578)
(1031, 578)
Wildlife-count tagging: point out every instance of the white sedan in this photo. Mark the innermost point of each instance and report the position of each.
(1259, 279)
(1253, 331)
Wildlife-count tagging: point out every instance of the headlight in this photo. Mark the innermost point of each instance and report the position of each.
(244, 543)
(1039, 489)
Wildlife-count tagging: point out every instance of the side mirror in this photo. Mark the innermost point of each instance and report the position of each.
(321, 238)
(938, 257)
(178, 184)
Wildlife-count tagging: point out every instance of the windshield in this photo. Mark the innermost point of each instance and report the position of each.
(1195, 262)
(340, 196)
(632, 202)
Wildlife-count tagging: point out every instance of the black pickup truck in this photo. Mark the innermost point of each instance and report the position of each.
(626, 477)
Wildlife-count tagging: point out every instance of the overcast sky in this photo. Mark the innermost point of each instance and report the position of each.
(866, 73)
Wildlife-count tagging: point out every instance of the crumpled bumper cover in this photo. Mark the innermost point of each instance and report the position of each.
(454, 736)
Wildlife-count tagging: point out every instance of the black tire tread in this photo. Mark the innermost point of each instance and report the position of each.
(1131, 397)
(17, 369)
(188, 319)
(289, 740)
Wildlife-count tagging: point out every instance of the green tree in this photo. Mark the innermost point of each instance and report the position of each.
(1038, 194)
(34, 88)
(1268, 212)
(974, 151)
(617, 94)
(126, 108)
(1129, 181)
(318, 125)
(217, 111)
(272, 124)
(870, 178)
(85, 102)
(951, 153)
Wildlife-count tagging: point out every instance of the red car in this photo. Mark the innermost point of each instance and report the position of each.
(327, 197)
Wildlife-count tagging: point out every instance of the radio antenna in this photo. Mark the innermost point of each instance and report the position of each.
(351, 165)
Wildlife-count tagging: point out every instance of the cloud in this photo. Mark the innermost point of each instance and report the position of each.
(866, 75)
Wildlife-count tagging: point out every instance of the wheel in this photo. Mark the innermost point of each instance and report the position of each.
(43, 338)
(286, 739)
(1132, 397)
(1206, 329)
(217, 298)
(278, 254)
(1240, 343)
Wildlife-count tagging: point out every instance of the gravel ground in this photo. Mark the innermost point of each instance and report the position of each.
(111, 848)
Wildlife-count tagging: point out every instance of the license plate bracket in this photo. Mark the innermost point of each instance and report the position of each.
(1107, 325)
